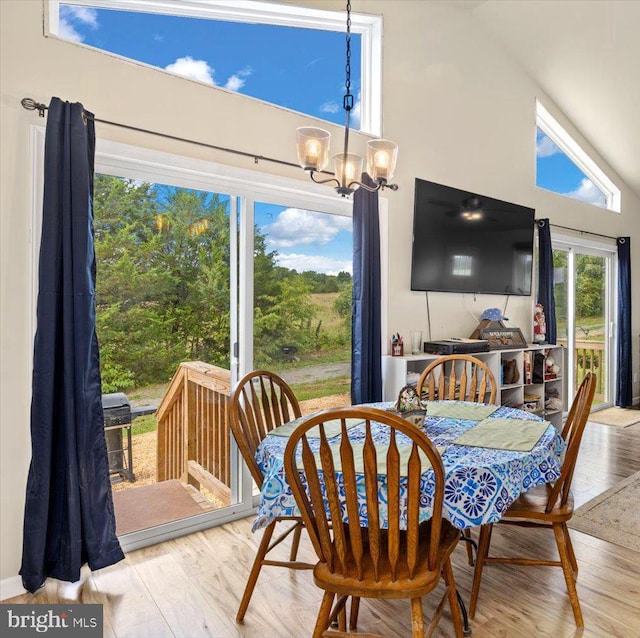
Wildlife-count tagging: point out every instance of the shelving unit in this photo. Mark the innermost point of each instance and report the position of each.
(524, 380)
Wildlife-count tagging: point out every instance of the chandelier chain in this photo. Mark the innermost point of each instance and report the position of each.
(348, 98)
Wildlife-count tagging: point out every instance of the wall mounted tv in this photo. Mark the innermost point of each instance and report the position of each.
(465, 242)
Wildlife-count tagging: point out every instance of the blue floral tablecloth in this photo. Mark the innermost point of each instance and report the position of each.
(480, 484)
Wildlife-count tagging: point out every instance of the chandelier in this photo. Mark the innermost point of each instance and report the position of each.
(313, 148)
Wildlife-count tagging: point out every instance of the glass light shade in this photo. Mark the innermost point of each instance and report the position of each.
(381, 159)
(313, 148)
(347, 171)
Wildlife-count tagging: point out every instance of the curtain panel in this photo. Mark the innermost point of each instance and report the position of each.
(69, 518)
(366, 345)
(624, 385)
(545, 279)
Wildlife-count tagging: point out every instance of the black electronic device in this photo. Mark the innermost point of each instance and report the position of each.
(465, 242)
(456, 346)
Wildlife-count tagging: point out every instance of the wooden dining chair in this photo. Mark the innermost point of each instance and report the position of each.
(379, 561)
(547, 506)
(260, 402)
(457, 377)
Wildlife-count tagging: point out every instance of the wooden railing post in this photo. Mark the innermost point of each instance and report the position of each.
(193, 430)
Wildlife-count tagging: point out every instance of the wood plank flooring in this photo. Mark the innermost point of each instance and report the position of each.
(190, 587)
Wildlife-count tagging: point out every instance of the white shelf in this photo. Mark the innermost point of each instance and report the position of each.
(395, 370)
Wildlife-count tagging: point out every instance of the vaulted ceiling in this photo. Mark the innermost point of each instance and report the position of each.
(586, 56)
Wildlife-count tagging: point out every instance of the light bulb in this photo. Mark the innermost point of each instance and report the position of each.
(382, 164)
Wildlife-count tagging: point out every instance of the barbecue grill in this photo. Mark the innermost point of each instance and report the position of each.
(117, 417)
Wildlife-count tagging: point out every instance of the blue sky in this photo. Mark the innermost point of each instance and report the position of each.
(302, 69)
(557, 173)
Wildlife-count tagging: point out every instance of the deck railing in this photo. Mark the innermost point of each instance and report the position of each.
(193, 432)
(589, 357)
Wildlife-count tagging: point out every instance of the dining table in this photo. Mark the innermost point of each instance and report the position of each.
(491, 454)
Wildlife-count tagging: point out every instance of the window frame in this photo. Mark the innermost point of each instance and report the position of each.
(369, 27)
(563, 140)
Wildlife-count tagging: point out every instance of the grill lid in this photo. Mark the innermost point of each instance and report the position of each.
(115, 400)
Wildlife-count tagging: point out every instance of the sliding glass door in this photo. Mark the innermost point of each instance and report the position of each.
(583, 288)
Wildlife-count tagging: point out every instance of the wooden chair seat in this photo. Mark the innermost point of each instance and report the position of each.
(384, 585)
(532, 505)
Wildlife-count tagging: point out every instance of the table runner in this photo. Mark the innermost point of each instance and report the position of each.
(466, 411)
(504, 434)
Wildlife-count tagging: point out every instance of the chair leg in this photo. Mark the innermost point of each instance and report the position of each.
(322, 623)
(450, 581)
(295, 543)
(572, 555)
(353, 616)
(417, 618)
(483, 552)
(467, 534)
(255, 571)
(568, 573)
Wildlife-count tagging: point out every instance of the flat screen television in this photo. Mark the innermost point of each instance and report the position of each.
(465, 242)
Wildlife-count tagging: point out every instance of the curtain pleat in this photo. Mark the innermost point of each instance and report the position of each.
(545, 279)
(624, 388)
(366, 350)
(69, 518)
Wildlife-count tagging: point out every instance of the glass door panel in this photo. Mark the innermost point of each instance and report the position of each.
(164, 319)
(302, 301)
(582, 288)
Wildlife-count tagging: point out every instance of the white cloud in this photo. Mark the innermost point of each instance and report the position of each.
(234, 83)
(237, 81)
(84, 15)
(316, 263)
(72, 16)
(588, 192)
(67, 31)
(355, 114)
(297, 227)
(194, 69)
(158, 37)
(330, 107)
(545, 147)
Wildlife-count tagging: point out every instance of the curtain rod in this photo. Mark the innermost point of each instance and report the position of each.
(575, 230)
(31, 105)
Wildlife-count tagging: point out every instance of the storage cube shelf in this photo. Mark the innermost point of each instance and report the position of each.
(524, 380)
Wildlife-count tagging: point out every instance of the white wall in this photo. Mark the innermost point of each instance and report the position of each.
(460, 109)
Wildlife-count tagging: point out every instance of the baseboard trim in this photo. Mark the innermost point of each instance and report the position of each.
(11, 587)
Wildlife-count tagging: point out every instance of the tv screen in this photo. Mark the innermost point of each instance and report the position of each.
(465, 242)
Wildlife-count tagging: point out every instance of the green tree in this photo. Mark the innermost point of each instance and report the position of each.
(163, 285)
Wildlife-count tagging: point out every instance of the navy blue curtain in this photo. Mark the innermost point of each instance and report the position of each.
(69, 518)
(624, 390)
(545, 279)
(366, 349)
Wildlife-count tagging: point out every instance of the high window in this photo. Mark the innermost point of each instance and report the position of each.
(290, 56)
(564, 168)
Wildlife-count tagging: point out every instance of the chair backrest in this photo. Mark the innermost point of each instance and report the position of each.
(260, 402)
(387, 551)
(457, 376)
(572, 434)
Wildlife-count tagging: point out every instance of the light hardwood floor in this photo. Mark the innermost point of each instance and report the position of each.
(190, 587)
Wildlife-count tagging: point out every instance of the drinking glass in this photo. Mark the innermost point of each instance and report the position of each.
(416, 341)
